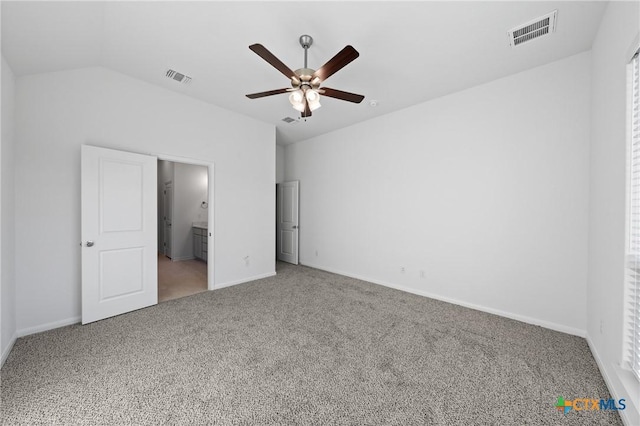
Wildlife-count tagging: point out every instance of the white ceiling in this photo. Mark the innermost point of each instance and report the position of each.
(410, 52)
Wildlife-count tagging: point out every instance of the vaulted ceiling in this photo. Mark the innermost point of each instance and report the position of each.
(410, 52)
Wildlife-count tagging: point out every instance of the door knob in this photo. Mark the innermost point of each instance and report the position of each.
(89, 243)
(295, 227)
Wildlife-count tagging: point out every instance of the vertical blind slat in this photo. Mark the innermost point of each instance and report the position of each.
(631, 348)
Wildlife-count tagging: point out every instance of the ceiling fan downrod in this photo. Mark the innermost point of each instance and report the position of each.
(306, 41)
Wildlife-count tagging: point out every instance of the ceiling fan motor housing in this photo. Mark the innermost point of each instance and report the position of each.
(304, 77)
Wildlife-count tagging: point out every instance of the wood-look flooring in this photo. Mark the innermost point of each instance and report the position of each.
(181, 278)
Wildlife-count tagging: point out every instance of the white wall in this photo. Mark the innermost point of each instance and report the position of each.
(7, 217)
(279, 164)
(58, 112)
(484, 190)
(605, 308)
(189, 191)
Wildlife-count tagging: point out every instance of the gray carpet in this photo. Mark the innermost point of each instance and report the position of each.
(304, 347)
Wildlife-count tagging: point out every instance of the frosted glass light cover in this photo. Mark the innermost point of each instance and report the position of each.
(296, 97)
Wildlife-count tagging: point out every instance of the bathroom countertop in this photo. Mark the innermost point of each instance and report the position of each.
(201, 225)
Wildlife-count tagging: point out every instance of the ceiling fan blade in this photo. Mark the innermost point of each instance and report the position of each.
(335, 64)
(339, 94)
(262, 51)
(269, 93)
(307, 111)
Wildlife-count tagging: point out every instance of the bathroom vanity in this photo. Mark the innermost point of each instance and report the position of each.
(200, 240)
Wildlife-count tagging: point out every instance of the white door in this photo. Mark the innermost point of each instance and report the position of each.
(287, 235)
(119, 232)
(168, 217)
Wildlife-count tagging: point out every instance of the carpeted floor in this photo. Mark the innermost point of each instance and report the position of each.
(303, 347)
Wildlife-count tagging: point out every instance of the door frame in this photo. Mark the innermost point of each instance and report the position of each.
(167, 185)
(295, 228)
(210, 210)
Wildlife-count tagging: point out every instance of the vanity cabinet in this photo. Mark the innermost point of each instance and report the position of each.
(200, 241)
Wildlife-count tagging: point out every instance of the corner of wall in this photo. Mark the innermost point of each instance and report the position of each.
(7, 222)
(280, 164)
(620, 389)
(7, 350)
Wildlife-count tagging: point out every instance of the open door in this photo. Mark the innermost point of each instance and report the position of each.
(119, 232)
(287, 215)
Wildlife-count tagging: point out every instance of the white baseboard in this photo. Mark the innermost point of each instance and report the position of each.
(75, 320)
(243, 280)
(181, 258)
(616, 392)
(33, 330)
(49, 326)
(529, 320)
(7, 350)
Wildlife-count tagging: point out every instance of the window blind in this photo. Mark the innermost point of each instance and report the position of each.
(632, 273)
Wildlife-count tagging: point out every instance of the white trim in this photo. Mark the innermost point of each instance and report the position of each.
(211, 226)
(48, 326)
(211, 208)
(633, 48)
(529, 320)
(180, 259)
(244, 280)
(624, 414)
(7, 350)
(184, 160)
(76, 320)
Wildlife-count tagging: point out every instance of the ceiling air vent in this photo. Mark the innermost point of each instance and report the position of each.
(179, 77)
(538, 27)
(288, 120)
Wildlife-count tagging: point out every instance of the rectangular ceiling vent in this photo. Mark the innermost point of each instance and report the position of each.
(288, 120)
(179, 77)
(538, 27)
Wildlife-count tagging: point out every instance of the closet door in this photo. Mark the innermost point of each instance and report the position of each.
(287, 212)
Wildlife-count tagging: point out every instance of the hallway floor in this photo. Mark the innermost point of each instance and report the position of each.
(180, 279)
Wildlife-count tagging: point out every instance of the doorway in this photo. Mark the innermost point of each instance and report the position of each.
(183, 229)
(287, 219)
(120, 204)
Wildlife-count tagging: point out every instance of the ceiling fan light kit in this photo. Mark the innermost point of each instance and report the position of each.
(305, 82)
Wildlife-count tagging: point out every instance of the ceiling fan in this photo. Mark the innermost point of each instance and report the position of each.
(305, 82)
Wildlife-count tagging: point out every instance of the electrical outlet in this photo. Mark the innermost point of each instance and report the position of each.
(402, 270)
(246, 261)
(422, 274)
(316, 253)
(601, 326)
